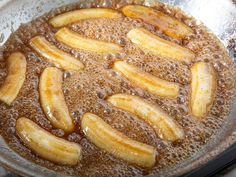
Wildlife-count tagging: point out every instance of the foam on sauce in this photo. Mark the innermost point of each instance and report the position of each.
(86, 91)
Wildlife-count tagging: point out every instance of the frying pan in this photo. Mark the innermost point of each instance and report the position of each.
(218, 15)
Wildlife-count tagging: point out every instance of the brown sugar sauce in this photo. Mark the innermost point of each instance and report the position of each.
(85, 91)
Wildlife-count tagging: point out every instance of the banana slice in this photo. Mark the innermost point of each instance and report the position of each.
(165, 127)
(159, 46)
(147, 81)
(47, 145)
(83, 14)
(52, 99)
(77, 41)
(54, 55)
(169, 25)
(15, 78)
(116, 143)
(203, 86)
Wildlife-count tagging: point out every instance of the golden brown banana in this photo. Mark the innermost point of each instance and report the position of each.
(47, 145)
(83, 14)
(165, 127)
(54, 55)
(168, 25)
(15, 78)
(116, 143)
(203, 86)
(52, 99)
(147, 81)
(77, 41)
(146, 40)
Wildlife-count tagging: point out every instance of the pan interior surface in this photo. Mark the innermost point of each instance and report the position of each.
(14, 13)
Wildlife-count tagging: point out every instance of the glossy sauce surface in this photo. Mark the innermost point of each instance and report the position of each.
(85, 91)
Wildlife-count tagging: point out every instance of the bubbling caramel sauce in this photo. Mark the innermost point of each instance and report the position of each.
(86, 91)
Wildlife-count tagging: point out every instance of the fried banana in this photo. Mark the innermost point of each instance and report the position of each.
(53, 101)
(116, 143)
(146, 40)
(165, 127)
(77, 41)
(54, 55)
(147, 81)
(83, 14)
(15, 78)
(168, 25)
(47, 145)
(203, 86)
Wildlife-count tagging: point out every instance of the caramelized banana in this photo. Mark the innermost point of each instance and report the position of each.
(77, 41)
(52, 99)
(164, 125)
(47, 145)
(203, 86)
(15, 77)
(147, 81)
(116, 143)
(54, 55)
(159, 46)
(83, 14)
(168, 25)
